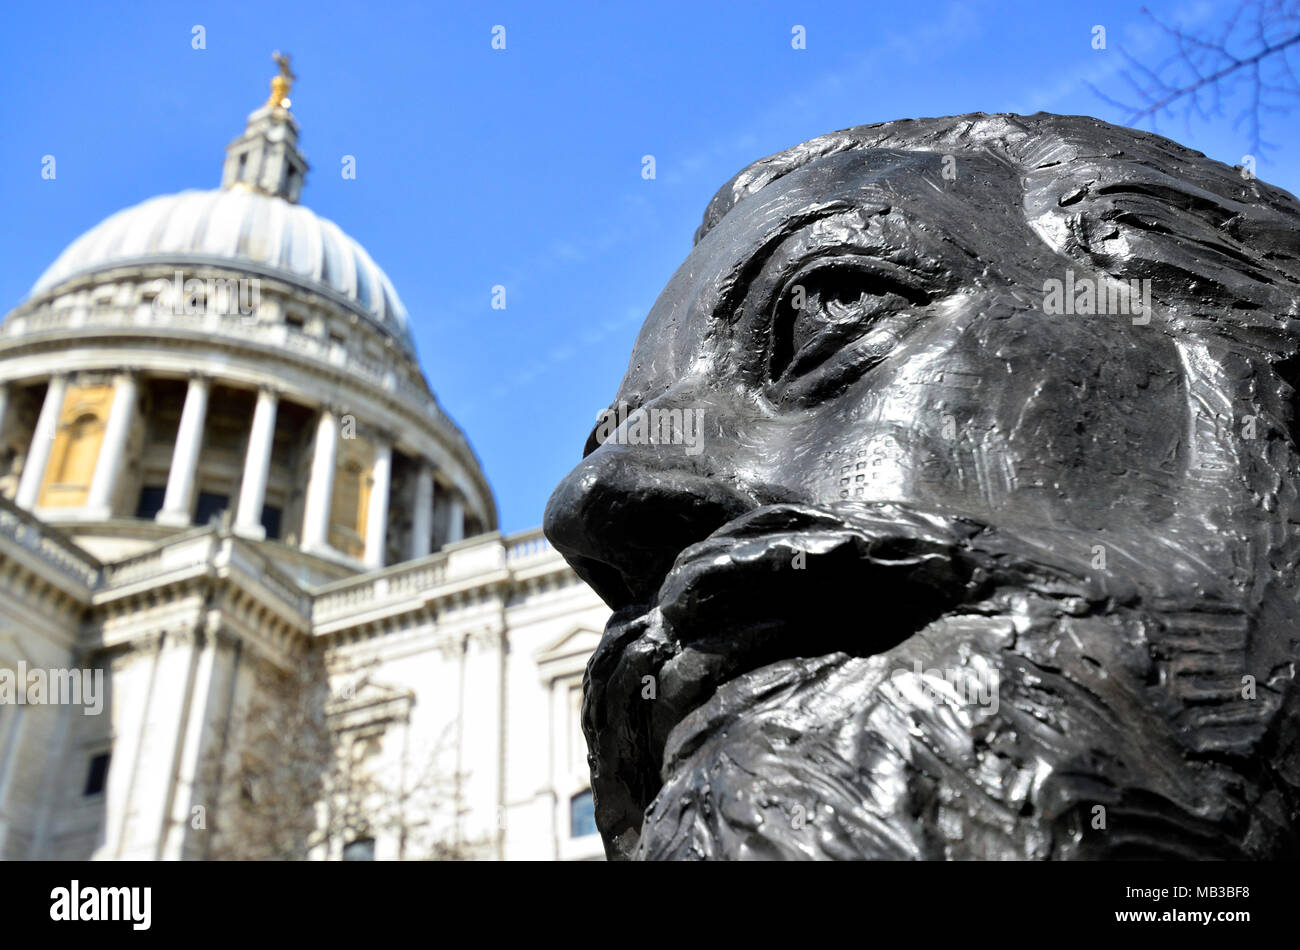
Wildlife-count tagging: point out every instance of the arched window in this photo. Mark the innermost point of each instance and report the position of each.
(71, 464)
(76, 463)
(348, 495)
(350, 505)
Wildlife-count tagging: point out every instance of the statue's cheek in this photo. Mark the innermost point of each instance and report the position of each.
(1096, 430)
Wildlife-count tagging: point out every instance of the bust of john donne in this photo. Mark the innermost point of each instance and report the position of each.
(965, 565)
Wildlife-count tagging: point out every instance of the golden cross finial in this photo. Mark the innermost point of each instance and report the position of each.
(281, 84)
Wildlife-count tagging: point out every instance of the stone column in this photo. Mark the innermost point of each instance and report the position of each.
(4, 407)
(455, 519)
(178, 502)
(9, 736)
(377, 513)
(112, 450)
(257, 466)
(320, 487)
(200, 735)
(38, 454)
(422, 515)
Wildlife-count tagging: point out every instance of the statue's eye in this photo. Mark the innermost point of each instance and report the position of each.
(824, 309)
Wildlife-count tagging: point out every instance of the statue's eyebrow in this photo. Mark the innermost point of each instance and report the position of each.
(1211, 209)
(735, 283)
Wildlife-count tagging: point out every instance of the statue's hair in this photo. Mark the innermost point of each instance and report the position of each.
(1083, 180)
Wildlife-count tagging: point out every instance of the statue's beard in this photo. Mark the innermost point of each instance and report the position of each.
(743, 630)
(800, 757)
(808, 759)
(874, 682)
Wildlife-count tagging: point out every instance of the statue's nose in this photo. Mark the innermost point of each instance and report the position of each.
(624, 514)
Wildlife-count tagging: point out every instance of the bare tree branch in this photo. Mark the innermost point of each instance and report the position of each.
(300, 775)
(1246, 60)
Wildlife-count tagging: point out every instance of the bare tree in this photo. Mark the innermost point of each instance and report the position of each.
(298, 775)
(1246, 65)
(420, 802)
(266, 778)
(415, 798)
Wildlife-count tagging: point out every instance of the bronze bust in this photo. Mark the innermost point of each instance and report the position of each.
(987, 546)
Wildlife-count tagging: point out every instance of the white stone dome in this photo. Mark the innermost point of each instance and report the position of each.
(255, 231)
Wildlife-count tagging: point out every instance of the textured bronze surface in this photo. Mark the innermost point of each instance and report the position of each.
(974, 557)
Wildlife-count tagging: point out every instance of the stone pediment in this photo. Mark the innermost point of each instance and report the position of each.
(366, 704)
(568, 654)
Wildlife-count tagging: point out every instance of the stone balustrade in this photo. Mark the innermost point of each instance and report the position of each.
(481, 559)
(182, 555)
(50, 547)
(527, 545)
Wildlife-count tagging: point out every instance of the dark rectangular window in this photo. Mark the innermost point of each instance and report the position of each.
(582, 815)
(97, 775)
(271, 522)
(363, 849)
(151, 501)
(210, 507)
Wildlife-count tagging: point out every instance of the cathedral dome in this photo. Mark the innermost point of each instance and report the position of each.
(255, 231)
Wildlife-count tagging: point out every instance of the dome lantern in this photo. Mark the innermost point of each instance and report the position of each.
(265, 159)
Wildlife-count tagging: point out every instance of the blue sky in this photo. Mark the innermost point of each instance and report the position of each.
(522, 167)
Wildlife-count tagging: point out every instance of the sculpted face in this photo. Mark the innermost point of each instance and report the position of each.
(891, 604)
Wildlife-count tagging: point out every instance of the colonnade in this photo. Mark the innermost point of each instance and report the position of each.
(178, 500)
